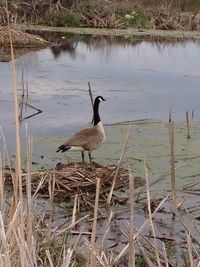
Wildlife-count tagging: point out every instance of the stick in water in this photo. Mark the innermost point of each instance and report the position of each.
(188, 125)
(91, 98)
(172, 161)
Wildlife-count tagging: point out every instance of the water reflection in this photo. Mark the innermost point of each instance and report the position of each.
(62, 42)
(67, 46)
(5, 54)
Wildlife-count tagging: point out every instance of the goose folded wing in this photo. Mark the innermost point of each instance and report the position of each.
(83, 138)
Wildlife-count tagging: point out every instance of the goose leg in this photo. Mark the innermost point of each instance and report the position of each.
(82, 153)
(90, 157)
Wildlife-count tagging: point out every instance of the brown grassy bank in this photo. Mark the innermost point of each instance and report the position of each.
(22, 41)
(165, 14)
(19, 38)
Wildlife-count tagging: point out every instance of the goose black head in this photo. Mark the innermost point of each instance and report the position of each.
(99, 99)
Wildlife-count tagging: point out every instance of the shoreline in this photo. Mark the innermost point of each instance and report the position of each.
(116, 32)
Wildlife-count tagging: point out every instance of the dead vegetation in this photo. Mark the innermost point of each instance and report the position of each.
(168, 15)
(167, 20)
(19, 38)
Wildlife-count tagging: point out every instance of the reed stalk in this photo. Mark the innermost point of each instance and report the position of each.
(172, 158)
(68, 258)
(175, 211)
(18, 183)
(189, 244)
(107, 229)
(150, 214)
(139, 232)
(50, 260)
(4, 244)
(51, 198)
(92, 257)
(74, 212)
(146, 257)
(131, 256)
(153, 214)
(165, 255)
(57, 233)
(28, 190)
(20, 242)
(1, 184)
(119, 163)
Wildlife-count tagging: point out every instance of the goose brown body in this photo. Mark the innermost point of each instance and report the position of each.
(87, 139)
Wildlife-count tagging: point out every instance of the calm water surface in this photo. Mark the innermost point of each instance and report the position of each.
(136, 77)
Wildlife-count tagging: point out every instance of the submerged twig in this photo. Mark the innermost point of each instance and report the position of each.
(38, 111)
(175, 211)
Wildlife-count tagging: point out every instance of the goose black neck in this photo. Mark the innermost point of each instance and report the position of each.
(96, 113)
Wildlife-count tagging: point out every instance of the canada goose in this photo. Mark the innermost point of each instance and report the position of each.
(87, 139)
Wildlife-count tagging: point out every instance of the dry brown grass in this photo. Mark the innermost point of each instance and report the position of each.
(75, 178)
(164, 14)
(20, 38)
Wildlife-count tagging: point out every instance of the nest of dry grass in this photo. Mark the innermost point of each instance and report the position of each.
(65, 181)
(19, 38)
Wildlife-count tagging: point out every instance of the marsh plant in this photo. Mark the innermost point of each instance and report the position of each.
(135, 19)
(67, 18)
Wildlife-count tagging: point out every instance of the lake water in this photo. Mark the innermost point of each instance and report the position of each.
(137, 77)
